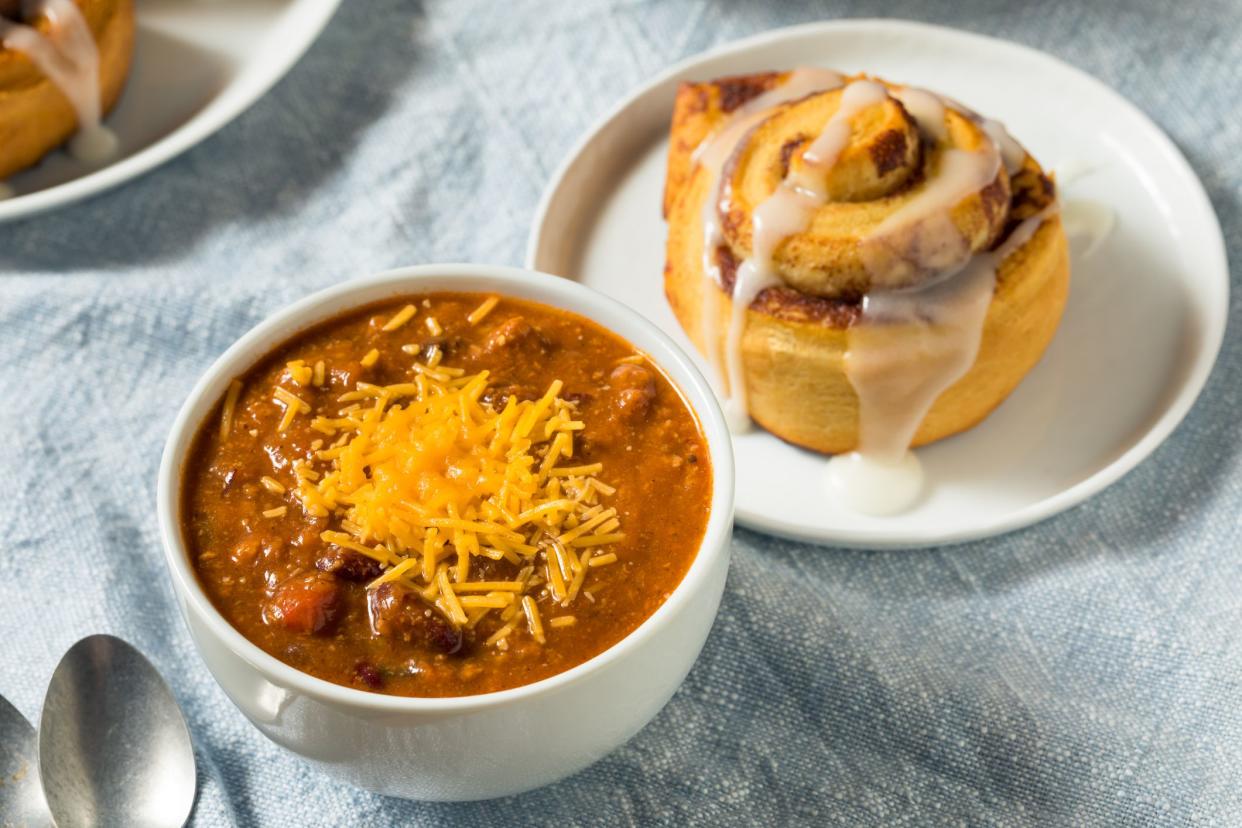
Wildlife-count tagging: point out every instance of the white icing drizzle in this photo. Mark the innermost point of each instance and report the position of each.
(821, 156)
(898, 374)
(1011, 151)
(872, 487)
(910, 345)
(1022, 234)
(712, 155)
(782, 214)
(1091, 221)
(1072, 169)
(927, 109)
(906, 350)
(718, 147)
(69, 58)
(1086, 222)
(787, 211)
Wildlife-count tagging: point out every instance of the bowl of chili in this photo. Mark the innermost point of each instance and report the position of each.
(449, 532)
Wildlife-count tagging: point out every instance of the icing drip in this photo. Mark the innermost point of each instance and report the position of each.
(873, 487)
(905, 351)
(67, 55)
(93, 145)
(782, 214)
(928, 108)
(1089, 220)
(1011, 151)
(1084, 220)
(1071, 170)
(787, 211)
(910, 345)
(712, 155)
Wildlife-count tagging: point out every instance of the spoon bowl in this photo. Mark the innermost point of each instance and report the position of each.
(21, 800)
(113, 747)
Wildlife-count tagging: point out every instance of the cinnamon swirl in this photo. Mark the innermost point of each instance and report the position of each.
(870, 266)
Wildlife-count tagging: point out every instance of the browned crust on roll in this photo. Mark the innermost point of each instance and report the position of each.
(698, 109)
(737, 90)
(789, 305)
(1033, 190)
(889, 151)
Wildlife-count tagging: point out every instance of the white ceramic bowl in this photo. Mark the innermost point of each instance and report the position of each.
(468, 747)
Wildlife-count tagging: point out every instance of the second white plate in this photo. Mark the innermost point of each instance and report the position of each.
(1146, 312)
(197, 66)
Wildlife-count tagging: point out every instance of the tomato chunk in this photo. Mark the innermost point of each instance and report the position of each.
(307, 604)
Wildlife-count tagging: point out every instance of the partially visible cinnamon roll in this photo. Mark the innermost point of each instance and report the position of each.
(870, 266)
(63, 64)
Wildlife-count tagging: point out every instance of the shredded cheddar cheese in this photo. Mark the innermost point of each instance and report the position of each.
(400, 318)
(532, 618)
(424, 477)
(300, 372)
(478, 314)
(230, 405)
(272, 485)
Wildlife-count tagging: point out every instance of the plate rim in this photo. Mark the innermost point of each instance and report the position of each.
(309, 17)
(1173, 414)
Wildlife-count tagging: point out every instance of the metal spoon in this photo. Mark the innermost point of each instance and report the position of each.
(113, 747)
(21, 799)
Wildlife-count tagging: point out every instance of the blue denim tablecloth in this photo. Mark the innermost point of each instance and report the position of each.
(1088, 670)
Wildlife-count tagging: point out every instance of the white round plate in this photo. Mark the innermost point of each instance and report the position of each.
(1146, 311)
(197, 65)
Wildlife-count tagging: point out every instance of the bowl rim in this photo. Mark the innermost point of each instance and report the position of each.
(529, 285)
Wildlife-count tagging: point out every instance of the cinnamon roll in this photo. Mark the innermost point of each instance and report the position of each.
(63, 64)
(869, 266)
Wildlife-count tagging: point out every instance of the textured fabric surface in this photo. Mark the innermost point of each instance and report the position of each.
(1087, 670)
